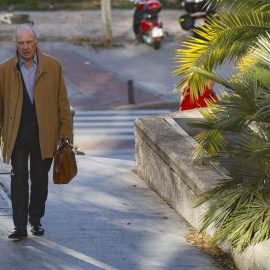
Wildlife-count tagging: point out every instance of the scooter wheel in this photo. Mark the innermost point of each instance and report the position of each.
(156, 45)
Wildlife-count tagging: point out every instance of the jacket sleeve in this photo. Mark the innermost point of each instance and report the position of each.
(64, 114)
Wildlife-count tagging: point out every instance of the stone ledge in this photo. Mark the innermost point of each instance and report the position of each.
(162, 158)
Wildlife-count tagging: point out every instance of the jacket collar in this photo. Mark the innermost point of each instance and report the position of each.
(21, 61)
(41, 68)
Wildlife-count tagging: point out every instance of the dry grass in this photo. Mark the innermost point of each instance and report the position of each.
(203, 242)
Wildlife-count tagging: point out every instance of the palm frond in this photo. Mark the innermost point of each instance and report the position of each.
(209, 143)
(253, 145)
(240, 207)
(248, 223)
(240, 213)
(225, 39)
(232, 5)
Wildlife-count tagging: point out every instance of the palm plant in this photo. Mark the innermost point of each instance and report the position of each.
(225, 38)
(241, 204)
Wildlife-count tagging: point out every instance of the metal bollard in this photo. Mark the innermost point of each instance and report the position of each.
(72, 111)
(130, 92)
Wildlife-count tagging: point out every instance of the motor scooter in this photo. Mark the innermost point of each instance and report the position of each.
(197, 14)
(147, 24)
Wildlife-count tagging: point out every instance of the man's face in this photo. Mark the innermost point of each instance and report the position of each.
(26, 44)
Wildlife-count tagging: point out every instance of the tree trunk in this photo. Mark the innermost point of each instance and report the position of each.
(106, 23)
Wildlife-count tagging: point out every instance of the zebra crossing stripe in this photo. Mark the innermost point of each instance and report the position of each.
(108, 133)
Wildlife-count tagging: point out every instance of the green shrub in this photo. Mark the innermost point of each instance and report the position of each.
(71, 4)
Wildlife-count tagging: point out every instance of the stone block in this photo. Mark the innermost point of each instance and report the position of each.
(162, 158)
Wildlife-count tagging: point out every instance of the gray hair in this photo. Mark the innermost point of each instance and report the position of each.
(29, 26)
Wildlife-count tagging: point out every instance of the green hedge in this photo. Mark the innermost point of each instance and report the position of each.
(71, 4)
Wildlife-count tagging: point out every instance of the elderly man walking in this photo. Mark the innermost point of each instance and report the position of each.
(34, 114)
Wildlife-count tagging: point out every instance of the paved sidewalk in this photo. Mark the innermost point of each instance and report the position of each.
(106, 218)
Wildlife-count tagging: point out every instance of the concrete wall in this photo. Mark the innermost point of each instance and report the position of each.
(163, 161)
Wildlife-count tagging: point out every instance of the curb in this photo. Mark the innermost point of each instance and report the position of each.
(139, 106)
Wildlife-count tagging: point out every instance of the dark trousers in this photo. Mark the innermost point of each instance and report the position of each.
(39, 170)
(138, 16)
